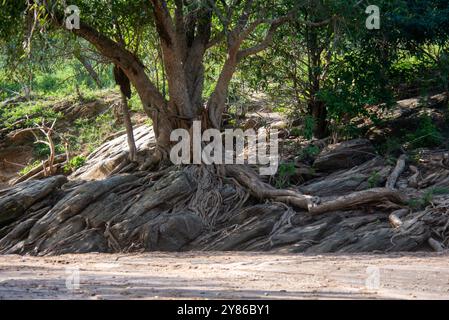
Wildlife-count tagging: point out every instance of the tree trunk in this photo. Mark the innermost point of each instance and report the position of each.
(86, 64)
(129, 129)
(318, 111)
(316, 108)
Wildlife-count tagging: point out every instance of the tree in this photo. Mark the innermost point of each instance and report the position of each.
(186, 30)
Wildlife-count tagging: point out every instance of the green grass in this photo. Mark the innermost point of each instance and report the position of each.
(35, 111)
(29, 167)
(92, 132)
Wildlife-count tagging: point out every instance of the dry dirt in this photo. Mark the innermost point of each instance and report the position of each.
(225, 275)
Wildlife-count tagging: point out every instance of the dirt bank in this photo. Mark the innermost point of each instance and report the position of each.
(225, 276)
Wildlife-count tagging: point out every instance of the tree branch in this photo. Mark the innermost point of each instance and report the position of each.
(270, 34)
(130, 64)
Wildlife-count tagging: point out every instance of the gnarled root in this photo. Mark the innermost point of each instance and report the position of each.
(247, 178)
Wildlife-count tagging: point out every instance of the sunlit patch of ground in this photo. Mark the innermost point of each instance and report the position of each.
(225, 276)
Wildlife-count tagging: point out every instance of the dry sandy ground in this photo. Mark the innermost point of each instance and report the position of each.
(225, 276)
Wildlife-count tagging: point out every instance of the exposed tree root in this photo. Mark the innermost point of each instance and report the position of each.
(260, 190)
(398, 170)
(360, 199)
(396, 216)
(212, 208)
(247, 178)
(413, 180)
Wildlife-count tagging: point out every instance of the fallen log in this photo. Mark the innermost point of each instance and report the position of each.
(395, 221)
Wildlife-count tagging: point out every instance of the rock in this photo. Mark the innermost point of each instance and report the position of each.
(370, 174)
(345, 155)
(280, 125)
(104, 160)
(171, 232)
(85, 241)
(73, 204)
(251, 123)
(311, 232)
(15, 201)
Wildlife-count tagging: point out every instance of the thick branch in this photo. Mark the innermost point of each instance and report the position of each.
(130, 64)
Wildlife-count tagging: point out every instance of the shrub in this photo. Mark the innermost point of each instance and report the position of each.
(285, 172)
(426, 135)
(74, 164)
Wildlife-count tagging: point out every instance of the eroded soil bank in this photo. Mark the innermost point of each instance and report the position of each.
(225, 275)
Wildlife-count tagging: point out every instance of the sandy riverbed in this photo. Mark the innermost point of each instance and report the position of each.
(225, 276)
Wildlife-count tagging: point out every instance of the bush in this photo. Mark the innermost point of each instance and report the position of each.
(426, 135)
(286, 171)
(309, 152)
(309, 127)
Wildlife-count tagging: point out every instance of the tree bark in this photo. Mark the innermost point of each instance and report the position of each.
(129, 129)
(318, 111)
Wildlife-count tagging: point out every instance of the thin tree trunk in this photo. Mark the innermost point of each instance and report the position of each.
(317, 108)
(93, 74)
(129, 129)
(319, 113)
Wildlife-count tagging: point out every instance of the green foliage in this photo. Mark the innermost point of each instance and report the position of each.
(135, 105)
(309, 127)
(374, 179)
(36, 112)
(341, 64)
(391, 146)
(296, 132)
(357, 79)
(309, 152)
(91, 133)
(426, 135)
(74, 164)
(440, 191)
(285, 172)
(42, 150)
(427, 198)
(29, 167)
